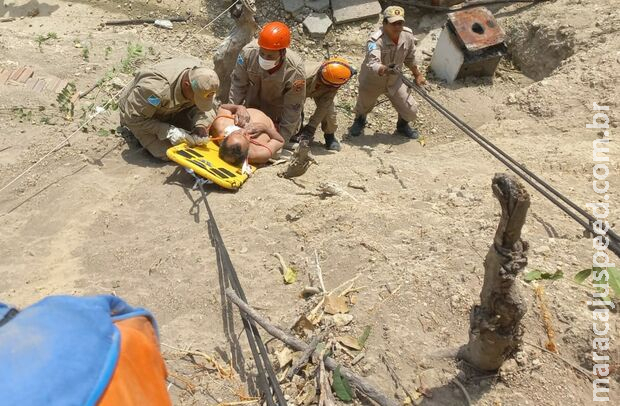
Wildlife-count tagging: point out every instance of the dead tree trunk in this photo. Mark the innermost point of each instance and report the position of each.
(226, 53)
(495, 325)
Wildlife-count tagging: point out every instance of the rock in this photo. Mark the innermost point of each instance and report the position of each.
(342, 319)
(431, 378)
(543, 249)
(317, 24)
(317, 5)
(427, 45)
(521, 358)
(353, 10)
(292, 6)
(508, 367)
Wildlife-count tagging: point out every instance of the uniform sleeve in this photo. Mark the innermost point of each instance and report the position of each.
(140, 111)
(410, 57)
(294, 98)
(239, 80)
(323, 104)
(373, 55)
(203, 118)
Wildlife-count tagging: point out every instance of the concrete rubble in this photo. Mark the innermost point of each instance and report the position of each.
(317, 24)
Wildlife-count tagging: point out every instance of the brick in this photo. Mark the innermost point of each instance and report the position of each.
(61, 85)
(40, 86)
(52, 82)
(4, 76)
(353, 10)
(25, 75)
(30, 83)
(17, 73)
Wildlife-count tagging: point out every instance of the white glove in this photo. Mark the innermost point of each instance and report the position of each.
(193, 140)
(176, 135)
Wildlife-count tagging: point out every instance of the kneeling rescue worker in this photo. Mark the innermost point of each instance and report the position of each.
(170, 103)
(322, 83)
(387, 51)
(270, 77)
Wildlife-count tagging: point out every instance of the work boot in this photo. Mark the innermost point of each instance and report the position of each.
(331, 143)
(358, 126)
(403, 127)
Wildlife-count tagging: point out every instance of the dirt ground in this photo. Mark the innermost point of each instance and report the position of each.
(100, 216)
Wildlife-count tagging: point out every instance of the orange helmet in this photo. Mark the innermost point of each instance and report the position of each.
(274, 36)
(336, 71)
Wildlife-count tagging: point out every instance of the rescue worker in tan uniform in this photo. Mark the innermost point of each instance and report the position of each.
(271, 78)
(322, 83)
(387, 51)
(169, 103)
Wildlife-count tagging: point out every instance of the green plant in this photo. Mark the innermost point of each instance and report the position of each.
(537, 275)
(86, 54)
(107, 51)
(40, 39)
(65, 100)
(609, 276)
(22, 114)
(135, 54)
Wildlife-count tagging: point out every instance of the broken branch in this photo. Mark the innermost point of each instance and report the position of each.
(362, 385)
(146, 21)
(305, 357)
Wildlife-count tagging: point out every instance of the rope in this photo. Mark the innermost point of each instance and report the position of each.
(210, 22)
(536, 182)
(66, 140)
(267, 380)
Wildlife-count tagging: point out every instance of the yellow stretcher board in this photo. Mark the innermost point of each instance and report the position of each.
(204, 160)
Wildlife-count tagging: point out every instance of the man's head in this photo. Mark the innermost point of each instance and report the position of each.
(273, 40)
(234, 148)
(335, 72)
(393, 21)
(200, 84)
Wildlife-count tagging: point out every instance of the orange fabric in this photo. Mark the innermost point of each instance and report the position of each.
(274, 36)
(140, 375)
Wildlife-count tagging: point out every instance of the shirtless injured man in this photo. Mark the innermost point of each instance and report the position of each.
(254, 138)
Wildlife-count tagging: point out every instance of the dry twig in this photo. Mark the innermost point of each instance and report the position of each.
(570, 363)
(363, 386)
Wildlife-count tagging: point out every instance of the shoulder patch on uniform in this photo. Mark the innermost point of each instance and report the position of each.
(153, 100)
(299, 84)
(376, 35)
(372, 46)
(240, 59)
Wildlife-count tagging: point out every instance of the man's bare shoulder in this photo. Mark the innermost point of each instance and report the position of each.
(258, 116)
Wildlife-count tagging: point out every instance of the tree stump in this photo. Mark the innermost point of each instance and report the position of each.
(495, 325)
(225, 56)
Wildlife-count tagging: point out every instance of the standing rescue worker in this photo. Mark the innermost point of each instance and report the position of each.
(387, 51)
(169, 103)
(269, 77)
(322, 83)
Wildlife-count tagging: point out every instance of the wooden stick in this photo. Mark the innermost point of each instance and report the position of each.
(575, 366)
(319, 272)
(87, 91)
(305, 357)
(146, 21)
(361, 384)
(189, 386)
